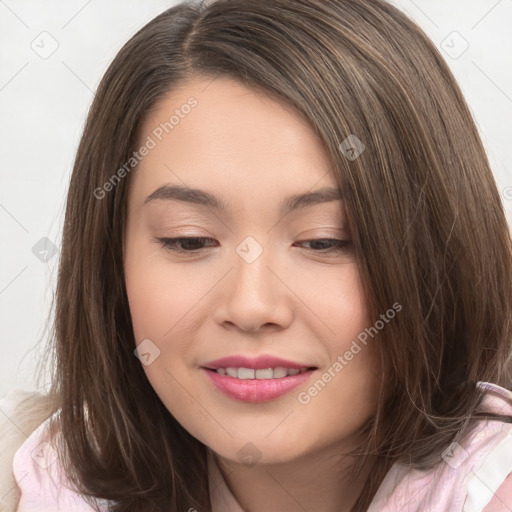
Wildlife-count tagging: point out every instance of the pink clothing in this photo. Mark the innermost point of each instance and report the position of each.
(471, 478)
(470, 474)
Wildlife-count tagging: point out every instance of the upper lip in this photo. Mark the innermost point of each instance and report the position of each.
(256, 363)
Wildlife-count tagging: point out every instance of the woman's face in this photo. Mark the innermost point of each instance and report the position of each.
(256, 283)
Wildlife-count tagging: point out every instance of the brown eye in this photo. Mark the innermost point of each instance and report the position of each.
(189, 245)
(327, 245)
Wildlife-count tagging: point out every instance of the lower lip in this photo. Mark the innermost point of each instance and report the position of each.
(256, 390)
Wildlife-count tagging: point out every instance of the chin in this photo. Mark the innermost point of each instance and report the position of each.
(256, 448)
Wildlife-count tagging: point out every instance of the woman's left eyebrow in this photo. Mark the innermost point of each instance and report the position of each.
(209, 200)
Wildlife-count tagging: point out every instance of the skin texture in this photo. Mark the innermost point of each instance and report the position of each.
(295, 301)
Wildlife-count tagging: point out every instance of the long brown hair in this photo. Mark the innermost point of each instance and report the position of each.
(428, 228)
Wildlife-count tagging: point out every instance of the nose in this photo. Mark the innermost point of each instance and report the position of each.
(254, 296)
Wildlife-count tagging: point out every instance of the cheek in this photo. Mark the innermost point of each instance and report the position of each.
(165, 301)
(336, 298)
(161, 295)
(159, 301)
(350, 380)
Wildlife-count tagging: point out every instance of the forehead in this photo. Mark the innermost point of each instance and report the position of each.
(219, 134)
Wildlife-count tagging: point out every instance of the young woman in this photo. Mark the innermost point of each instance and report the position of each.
(286, 277)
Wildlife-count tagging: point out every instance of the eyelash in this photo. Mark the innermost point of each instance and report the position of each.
(170, 244)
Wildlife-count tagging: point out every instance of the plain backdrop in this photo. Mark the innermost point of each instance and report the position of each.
(52, 57)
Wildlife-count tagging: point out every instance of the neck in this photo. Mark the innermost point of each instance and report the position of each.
(319, 481)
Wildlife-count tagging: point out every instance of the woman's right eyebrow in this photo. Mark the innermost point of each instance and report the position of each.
(207, 199)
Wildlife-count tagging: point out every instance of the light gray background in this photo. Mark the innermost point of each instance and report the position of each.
(44, 99)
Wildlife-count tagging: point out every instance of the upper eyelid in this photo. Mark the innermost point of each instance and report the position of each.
(187, 215)
(171, 244)
(209, 238)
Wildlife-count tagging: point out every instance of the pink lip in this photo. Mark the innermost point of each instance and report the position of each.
(255, 390)
(258, 363)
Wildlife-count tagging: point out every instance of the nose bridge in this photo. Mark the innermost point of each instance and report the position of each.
(250, 249)
(255, 296)
(251, 273)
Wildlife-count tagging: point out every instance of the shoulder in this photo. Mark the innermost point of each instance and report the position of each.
(474, 475)
(37, 479)
(489, 488)
(21, 412)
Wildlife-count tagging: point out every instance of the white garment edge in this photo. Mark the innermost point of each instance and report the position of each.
(491, 474)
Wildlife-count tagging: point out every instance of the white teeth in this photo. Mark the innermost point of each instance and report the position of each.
(245, 373)
(264, 373)
(280, 372)
(232, 372)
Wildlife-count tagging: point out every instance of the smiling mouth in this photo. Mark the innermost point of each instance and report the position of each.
(242, 373)
(257, 385)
